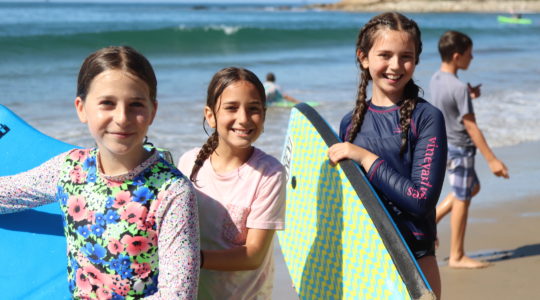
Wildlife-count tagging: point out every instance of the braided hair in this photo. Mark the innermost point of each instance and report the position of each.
(221, 80)
(366, 39)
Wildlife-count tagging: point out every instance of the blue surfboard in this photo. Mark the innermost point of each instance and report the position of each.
(33, 246)
(339, 241)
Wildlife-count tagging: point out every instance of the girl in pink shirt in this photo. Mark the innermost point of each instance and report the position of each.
(240, 191)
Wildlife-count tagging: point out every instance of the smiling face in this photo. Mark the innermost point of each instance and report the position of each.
(391, 63)
(238, 117)
(118, 111)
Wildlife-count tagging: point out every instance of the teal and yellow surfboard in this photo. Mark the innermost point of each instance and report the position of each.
(339, 242)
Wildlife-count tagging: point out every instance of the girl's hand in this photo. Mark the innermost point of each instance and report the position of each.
(347, 150)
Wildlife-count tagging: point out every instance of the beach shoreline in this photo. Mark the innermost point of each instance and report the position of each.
(502, 229)
(424, 6)
(506, 235)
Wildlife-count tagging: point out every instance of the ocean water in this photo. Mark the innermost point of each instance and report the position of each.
(311, 52)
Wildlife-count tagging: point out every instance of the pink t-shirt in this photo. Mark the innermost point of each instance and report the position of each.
(252, 196)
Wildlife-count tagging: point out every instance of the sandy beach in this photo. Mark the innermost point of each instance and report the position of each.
(503, 229)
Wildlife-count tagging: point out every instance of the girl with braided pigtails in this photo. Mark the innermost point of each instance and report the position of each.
(240, 191)
(397, 137)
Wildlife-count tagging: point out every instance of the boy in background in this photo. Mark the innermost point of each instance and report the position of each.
(454, 98)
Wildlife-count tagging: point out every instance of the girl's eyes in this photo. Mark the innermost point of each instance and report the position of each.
(255, 108)
(137, 104)
(106, 103)
(109, 103)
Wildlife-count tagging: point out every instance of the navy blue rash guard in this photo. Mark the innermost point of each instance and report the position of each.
(409, 184)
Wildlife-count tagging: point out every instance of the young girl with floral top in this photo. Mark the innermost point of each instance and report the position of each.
(130, 217)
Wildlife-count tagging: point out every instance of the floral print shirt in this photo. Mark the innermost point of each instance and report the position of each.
(128, 236)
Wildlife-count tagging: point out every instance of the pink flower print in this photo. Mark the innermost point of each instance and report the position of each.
(154, 206)
(115, 246)
(103, 293)
(152, 237)
(141, 269)
(119, 285)
(82, 281)
(134, 212)
(90, 216)
(77, 208)
(121, 199)
(135, 244)
(77, 175)
(95, 277)
(79, 155)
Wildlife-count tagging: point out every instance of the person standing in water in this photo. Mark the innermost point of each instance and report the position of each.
(273, 91)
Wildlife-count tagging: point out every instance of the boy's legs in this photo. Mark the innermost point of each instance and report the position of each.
(458, 226)
(465, 184)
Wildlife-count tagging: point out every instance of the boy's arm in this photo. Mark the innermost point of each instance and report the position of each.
(497, 167)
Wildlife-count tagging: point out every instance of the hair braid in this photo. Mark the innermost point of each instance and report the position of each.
(406, 109)
(206, 150)
(360, 108)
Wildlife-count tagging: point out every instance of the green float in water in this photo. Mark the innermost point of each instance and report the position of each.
(513, 20)
(288, 104)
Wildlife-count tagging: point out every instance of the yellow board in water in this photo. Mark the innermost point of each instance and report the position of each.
(339, 242)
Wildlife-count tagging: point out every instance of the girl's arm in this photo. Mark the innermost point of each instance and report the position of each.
(418, 193)
(266, 216)
(246, 257)
(178, 240)
(32, 188)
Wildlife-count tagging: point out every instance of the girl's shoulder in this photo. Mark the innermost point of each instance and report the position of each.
(190, 154)
(187, 160)
(425, 109)
(264, 162)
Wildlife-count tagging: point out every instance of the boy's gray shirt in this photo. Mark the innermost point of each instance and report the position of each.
(451, 96)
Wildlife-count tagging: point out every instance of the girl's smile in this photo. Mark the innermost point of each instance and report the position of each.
(391, 63)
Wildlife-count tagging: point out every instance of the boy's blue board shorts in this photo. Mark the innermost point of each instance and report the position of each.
(461, 173)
